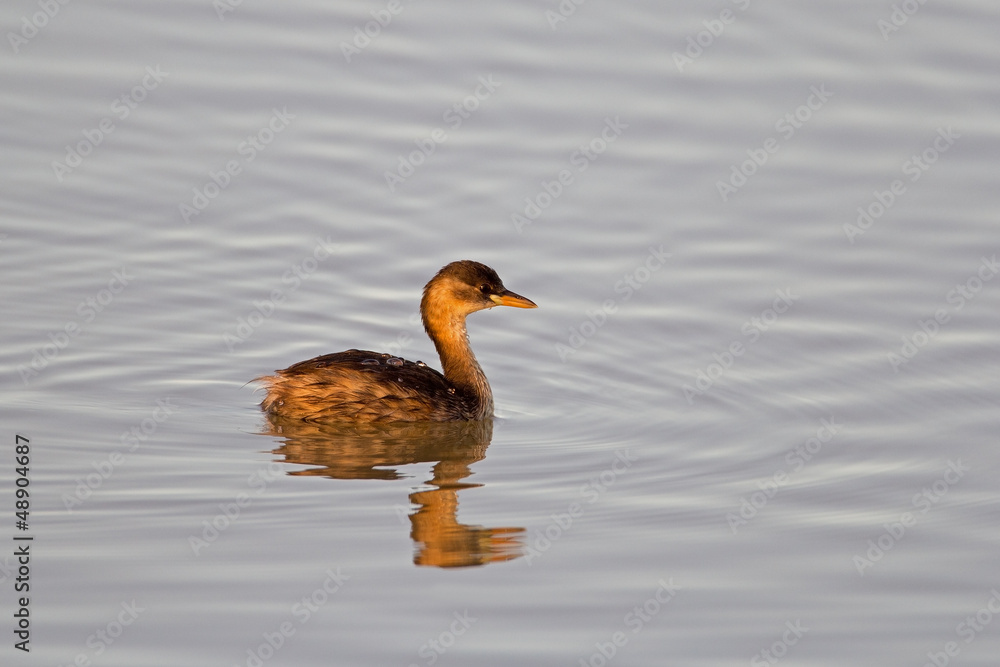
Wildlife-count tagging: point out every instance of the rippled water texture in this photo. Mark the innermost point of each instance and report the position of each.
(753, 420)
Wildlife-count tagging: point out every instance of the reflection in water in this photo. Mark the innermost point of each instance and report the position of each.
(373, 451)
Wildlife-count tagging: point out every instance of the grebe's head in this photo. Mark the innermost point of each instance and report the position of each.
(464, 287)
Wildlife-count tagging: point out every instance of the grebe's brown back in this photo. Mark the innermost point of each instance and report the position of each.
(358, 385)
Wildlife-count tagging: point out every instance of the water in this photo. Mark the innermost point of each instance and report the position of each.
(747, 424)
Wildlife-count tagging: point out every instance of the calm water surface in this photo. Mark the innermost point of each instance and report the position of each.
(754, 419)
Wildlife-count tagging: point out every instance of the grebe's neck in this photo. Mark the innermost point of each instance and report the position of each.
(447, 329)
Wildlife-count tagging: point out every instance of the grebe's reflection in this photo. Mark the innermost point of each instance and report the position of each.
(373, 451)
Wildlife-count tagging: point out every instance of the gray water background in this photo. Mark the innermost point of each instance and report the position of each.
(690, 476)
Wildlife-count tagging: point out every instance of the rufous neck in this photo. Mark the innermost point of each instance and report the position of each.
(457, 360)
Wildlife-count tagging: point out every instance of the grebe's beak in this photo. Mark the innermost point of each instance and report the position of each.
(508, 298)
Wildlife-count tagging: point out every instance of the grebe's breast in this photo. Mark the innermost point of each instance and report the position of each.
(361, 385)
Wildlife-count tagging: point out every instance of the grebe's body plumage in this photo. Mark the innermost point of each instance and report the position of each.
(358, 385)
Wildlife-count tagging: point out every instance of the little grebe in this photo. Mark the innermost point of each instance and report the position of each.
(358, 385)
